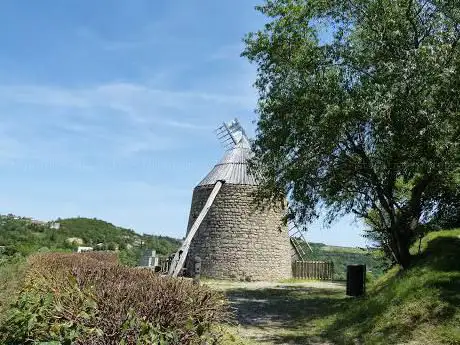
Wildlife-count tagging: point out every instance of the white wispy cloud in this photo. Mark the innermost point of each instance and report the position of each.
(130, 98)
(147, 207)
(41, 95)
(187, 125)
(10, 148)
(90, 36)
(228, 52)
(121, 119)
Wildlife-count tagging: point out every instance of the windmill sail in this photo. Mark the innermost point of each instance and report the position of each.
(231, 133)
(297, 239)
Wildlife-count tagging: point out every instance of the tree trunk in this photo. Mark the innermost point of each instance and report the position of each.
(403, 248)
(403, 230)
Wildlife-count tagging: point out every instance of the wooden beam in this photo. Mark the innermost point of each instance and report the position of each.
(181, 254)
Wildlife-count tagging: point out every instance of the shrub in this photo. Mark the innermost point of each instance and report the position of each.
(11, 272)
(90, 299)
(370, 277)
(108, 257)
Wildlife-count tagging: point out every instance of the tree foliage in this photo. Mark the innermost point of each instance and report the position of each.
(362, 117)
(446, 203)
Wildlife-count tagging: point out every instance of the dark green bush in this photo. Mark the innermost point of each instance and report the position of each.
(90, 299)
(370, 277)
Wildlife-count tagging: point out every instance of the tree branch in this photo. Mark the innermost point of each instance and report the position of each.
(373, 176)
(412, 22)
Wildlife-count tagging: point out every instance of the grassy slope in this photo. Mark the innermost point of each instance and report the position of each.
(10, 276)
(341, 249)
(420, 305)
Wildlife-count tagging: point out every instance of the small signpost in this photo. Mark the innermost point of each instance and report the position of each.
(197, 270)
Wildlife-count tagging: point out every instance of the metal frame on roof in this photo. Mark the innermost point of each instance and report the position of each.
(233, 167)
(231, 133)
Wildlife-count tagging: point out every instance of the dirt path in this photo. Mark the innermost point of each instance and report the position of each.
(276, 313)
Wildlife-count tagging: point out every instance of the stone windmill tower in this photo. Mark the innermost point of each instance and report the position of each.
(234, 238)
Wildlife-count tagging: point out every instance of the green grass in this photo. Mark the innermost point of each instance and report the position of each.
(340, 249)
(11, 271)
(234, 335)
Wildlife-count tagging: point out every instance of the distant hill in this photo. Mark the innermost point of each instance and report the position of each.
(343, 256)
(24, 236)
(95, 231)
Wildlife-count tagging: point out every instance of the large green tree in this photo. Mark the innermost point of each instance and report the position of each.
(359, 108)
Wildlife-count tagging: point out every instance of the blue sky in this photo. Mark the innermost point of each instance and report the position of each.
(107, 108)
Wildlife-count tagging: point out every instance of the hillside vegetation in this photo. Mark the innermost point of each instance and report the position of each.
(21, 236)
(343, 256)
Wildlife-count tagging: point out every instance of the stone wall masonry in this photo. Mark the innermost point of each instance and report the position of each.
(236, 240)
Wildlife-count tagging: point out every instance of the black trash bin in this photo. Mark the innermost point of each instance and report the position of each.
(356, 280)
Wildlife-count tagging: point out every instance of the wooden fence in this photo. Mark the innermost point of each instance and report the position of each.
(164, 262)
(321, 270)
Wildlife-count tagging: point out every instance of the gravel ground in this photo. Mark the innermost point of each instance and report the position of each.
(278, 313)
(231, 285)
